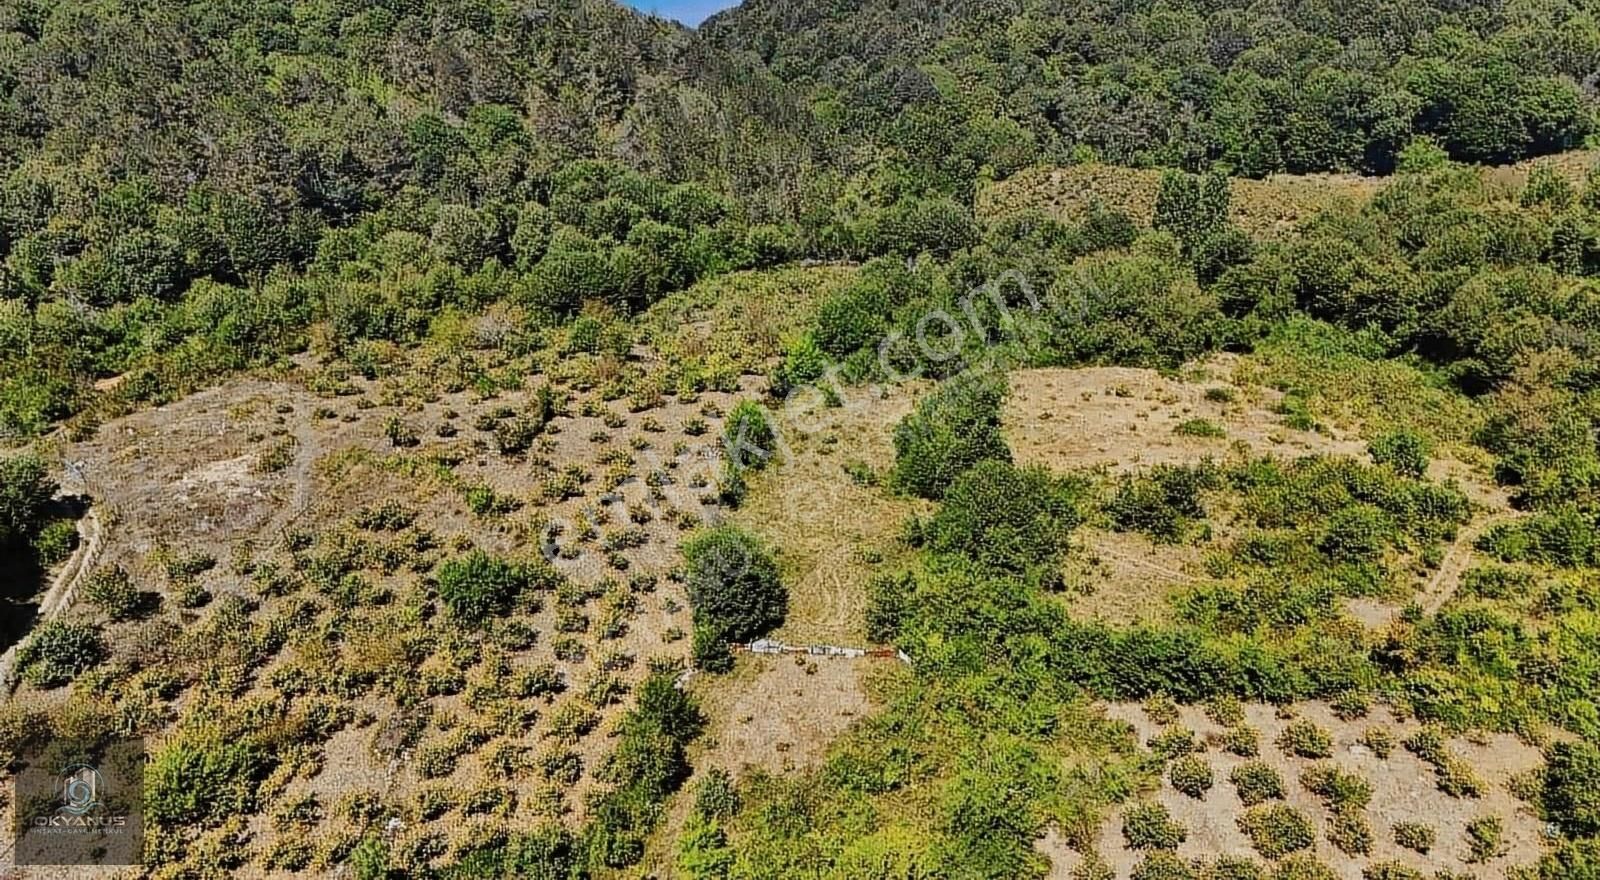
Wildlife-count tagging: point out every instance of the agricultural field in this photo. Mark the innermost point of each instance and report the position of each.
(480, 440)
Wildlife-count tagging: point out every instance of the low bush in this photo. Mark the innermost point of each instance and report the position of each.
(1391, 871)
(1304, 738)
(1405, 451)
(1201, 428)
(478, 586)
(1160, 865)
(749, 440)
(1233, 868)
(1256, 783)
(1148, 826)
(1302, 867)
(111, 589)
(1163, 502)
(1338, 788)
(58, 651)
(1350, 832)
(1191, 775)
(1414, 836)
(1571, 792)
(1485, 839)
(1277, 830)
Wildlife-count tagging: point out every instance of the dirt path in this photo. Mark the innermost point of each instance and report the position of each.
(1447, 580)
(63, 589)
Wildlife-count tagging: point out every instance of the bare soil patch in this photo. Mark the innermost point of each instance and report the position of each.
(1125, 419)
(1403, 790)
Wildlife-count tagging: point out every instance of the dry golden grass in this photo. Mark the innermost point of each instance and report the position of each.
(1270, 207)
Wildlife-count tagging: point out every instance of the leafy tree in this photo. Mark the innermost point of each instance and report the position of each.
(733, 583)
(953, 428)
(25, 491)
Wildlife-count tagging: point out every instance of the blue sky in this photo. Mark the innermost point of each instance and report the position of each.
(690, 12)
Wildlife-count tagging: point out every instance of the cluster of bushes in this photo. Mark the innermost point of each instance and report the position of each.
(647, 765)
(953, 428)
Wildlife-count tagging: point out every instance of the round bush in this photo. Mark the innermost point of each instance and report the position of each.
(733, 584)
(58, 651)
(951, 429)
(1012, 518)
(1161, 865)
(1256, 783)
(1150, 826)
(1277, 830)
(1414, 836)
(111, 590)
(1191, 775)
(1305, 739)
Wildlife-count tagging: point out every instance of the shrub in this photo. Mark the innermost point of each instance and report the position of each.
(199, 778)
(1191, 775)
(850, 320)
(1390, 871)
(1225, 709)
(515, 436)
(1256, 783)
(1405, 451)
(733, 584)
(1572, 788)
(1204, 428)
(748, 438)
(1016, 519)
(25, 492)
(1242, 740)
(1303, 867)
(1485, 839)
(1276, 830)
(1356, 533)
(1162, 502)
(1379, 740)
(477, 586)
(1305, 739)
(1233, 868)
(1340, 789)
(111, 590)
(58, 651)
(715, 797)
(953, 428)
(1150, 826)
(1350, 832)
(1174, 742)
(1414, 836)
(55, 542)
(1162, 865)
(888, 598)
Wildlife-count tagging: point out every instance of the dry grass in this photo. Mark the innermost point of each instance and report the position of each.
(1270, 207)
(827, 528)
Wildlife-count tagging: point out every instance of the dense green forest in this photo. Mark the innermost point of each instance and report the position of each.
(190, 191)
(974, 87)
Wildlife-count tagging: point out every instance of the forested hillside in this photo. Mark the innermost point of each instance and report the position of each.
(963, 86)
(462, 393)
(175, 178)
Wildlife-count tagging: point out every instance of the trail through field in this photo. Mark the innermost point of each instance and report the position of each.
(1447, 580)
